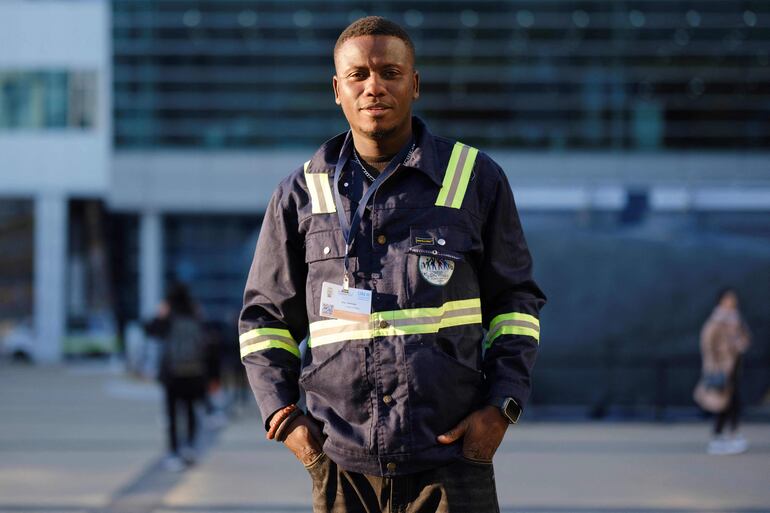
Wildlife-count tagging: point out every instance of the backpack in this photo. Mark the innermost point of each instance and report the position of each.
(185, 349)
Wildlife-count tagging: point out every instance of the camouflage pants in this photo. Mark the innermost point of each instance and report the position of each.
(463, 486)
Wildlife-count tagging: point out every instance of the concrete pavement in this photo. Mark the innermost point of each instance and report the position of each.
(87, 438)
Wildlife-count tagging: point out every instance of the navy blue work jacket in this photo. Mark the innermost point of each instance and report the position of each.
(454, 322)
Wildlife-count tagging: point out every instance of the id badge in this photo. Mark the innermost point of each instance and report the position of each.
(351, 304)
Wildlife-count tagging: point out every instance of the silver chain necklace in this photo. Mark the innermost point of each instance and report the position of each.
(367, 174)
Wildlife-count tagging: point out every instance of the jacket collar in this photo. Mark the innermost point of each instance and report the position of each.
(424, 157)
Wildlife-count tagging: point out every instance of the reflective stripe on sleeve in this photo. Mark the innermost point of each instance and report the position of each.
(413, 321)
(457, 176)
(320, 192)
(513, 323)
(260, 339)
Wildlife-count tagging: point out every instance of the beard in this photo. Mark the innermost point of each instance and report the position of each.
(380, 134)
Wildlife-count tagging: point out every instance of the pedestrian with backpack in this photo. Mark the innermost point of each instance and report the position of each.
(182, 369)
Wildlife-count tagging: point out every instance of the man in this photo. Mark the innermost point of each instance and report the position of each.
(393, 250)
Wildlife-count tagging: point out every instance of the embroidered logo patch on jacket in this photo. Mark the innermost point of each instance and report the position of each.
(436, 271)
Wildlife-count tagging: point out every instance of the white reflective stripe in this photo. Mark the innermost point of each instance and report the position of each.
(320, 192)
(337, 330)
(326, 191)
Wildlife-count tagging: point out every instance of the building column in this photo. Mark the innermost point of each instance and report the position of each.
(150, 263)
(51, 229)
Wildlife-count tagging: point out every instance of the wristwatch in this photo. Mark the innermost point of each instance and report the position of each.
(510, 410)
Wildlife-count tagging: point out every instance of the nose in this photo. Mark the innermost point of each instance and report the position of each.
(374, 86)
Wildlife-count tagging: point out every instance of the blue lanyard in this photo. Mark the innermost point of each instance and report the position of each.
(349, 230)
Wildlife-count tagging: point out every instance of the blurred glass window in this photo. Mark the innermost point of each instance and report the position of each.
(211, 254)
(17, 261)
(557, 75)
(47, 99)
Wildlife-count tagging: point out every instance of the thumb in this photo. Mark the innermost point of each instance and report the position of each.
(455, 433)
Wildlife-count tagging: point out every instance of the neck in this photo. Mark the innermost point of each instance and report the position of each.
(382, 147)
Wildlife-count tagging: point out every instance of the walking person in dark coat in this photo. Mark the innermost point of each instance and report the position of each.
(182, 368)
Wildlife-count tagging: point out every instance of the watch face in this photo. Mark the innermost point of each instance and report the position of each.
(511, 410)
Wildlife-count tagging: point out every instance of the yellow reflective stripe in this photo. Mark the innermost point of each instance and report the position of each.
(513, 316)
(320, 192)
(457, 176)
(413, 313)
(514, 330)
(449, 175)
(419, 329)
(260, 339)
(465, 178)
(513, 323)
(412, 321)
(268, 344)
(259, 332)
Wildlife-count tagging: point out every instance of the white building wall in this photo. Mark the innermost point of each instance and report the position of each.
(57, 35)
(53, 165)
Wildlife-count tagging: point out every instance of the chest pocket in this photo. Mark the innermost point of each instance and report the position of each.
(324, 252)
(439, 267)
(324, 245)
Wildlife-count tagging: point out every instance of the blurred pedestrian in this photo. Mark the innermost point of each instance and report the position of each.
(724, 339)
(183, 368)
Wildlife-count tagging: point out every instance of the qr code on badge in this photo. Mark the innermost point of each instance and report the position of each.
(327, 309)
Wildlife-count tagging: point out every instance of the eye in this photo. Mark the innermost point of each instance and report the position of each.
(391, 73)
(357, 75)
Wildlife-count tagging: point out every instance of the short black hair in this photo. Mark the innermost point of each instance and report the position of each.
(375, 26)
(179, 300)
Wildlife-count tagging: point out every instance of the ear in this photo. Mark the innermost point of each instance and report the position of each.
(335, 85)
(416, 93)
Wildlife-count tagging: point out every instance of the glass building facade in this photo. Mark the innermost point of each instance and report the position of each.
(212, 255)
(16, 262)
(594, 74)
(45, 99)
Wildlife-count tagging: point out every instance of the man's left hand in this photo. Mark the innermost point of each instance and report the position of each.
(482, 432)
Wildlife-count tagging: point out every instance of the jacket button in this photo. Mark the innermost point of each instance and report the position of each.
(391, 467)
(383, 324)
(381, 239)
(387, 399)
(441, 242)
(326, 250)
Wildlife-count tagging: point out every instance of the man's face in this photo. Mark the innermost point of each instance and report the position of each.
(376, 84)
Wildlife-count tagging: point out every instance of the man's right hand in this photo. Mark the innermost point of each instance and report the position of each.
(303, 438)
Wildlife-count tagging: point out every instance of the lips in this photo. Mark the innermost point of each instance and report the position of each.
(376, 107)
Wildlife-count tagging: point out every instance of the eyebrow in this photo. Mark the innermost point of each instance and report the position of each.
(366, 66)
